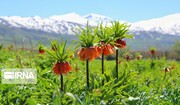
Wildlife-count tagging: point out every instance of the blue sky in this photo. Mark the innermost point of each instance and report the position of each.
(129, 10)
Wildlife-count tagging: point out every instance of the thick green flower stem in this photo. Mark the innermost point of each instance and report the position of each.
(102, 68)
(87, 72)
(117, 63)
(61, 82)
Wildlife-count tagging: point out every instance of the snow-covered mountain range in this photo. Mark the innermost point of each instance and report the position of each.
(160, 32)
(64, 24)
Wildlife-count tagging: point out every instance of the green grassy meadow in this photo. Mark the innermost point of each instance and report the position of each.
(140, 82)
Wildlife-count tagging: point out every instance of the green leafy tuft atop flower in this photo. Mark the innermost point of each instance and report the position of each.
(120, 30)
(86, 36)
(61, 53)
(104, 34)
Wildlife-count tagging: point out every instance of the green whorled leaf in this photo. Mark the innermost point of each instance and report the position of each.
(57, 98)
(85, 35)
(56, 101)
(52, 54)
(104, 34)
(31, 101)
(129, 36)
(107, 84)
(72, 83)
(120, 30)
(107, 77)
(61, 53)
(78, 100)
(119, 83)
(72, 96)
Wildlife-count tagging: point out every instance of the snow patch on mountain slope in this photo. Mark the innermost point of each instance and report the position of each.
(97, 18)
(167, 25)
